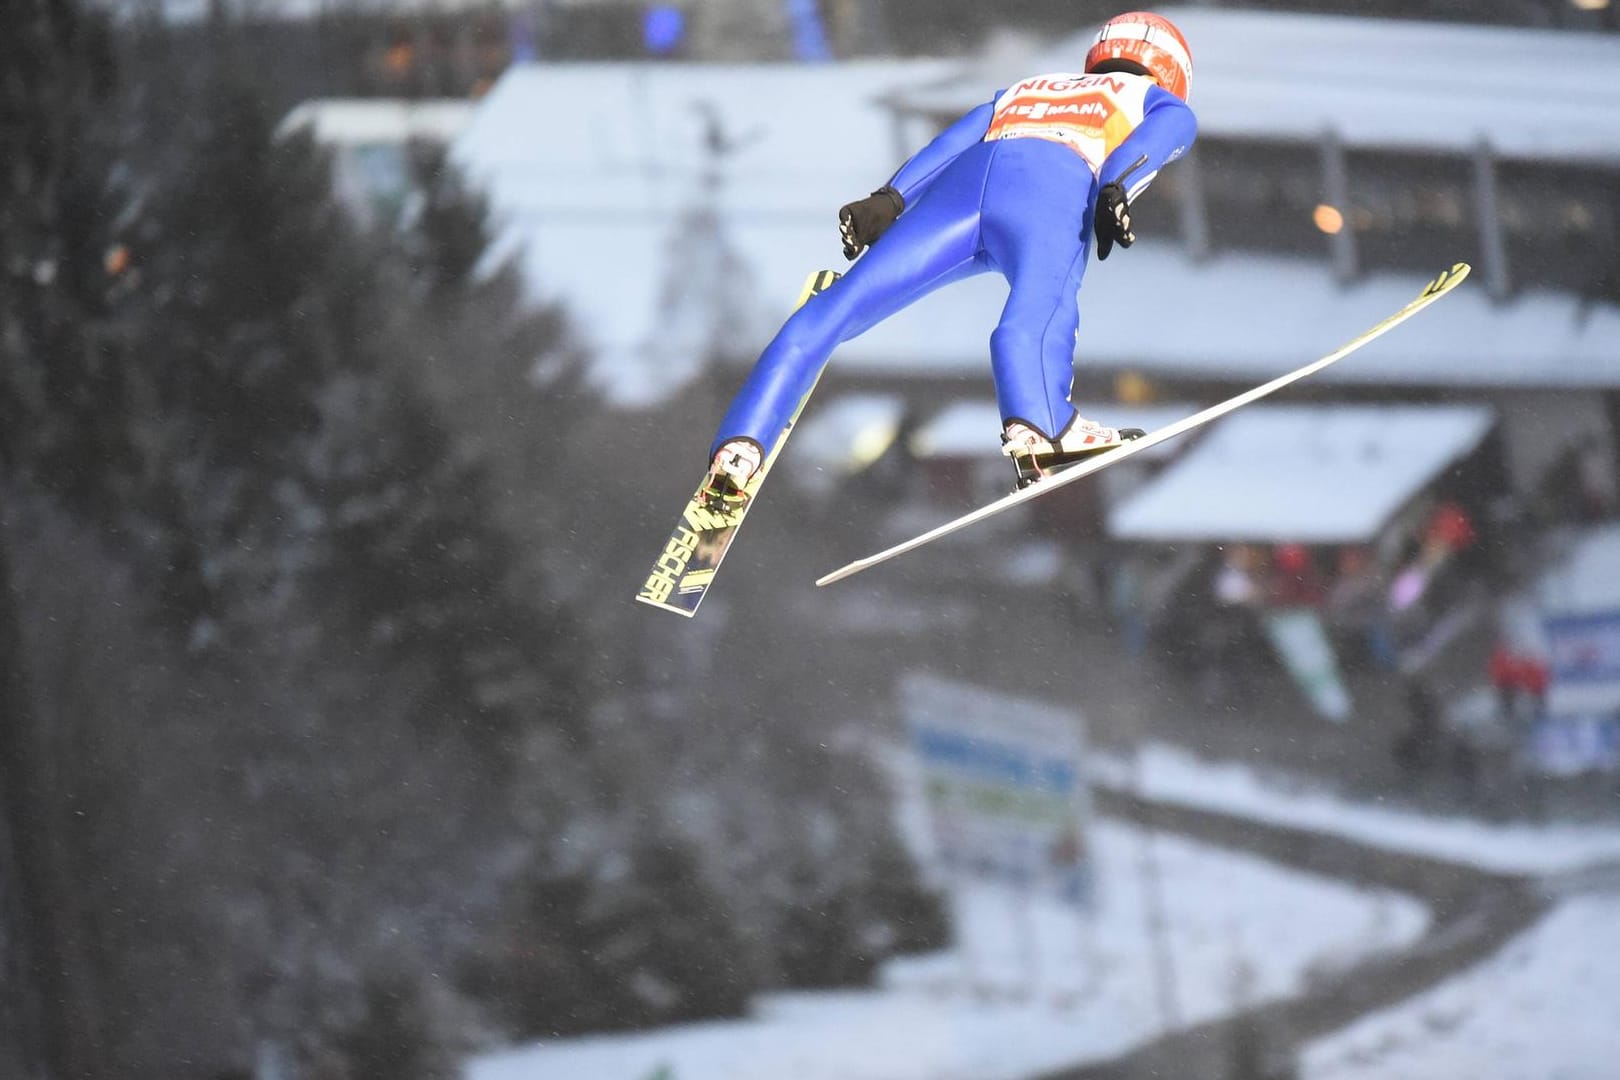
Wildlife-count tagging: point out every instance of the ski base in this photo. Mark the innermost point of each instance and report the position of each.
(1440, 286)
(681, 575)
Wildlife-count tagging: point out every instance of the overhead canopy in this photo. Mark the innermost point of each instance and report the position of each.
(1314, 474)
(358, 122)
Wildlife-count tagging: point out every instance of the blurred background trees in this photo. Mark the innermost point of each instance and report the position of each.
(308, 745)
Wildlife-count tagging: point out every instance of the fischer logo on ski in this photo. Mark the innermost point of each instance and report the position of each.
(681, 575)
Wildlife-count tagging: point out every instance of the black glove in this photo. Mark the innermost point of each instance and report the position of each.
(1111, 220)
(863, 221)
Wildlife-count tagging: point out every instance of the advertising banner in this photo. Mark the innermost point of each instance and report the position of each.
(1571, 745)
(1585, 648)
(1004, 783)
(1302, 644)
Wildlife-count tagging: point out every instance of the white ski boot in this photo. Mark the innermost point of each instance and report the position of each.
(734, 465)
(1035, 456)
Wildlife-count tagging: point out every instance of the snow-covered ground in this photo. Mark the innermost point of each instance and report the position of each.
(1034, 986)
(1547, 1007)
(1170, 775)
(1237, 930)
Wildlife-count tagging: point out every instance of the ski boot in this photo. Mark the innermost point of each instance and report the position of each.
(1034, 456)
(734, 464)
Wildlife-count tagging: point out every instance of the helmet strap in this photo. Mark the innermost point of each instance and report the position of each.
(1130, 67)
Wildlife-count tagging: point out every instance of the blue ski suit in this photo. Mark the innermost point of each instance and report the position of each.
(1009, 187)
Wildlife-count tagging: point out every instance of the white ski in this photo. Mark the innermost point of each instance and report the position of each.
(1437, 288)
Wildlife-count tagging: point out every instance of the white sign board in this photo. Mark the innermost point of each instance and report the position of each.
(1004, 781)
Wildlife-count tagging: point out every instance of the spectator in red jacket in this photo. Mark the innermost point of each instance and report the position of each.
(1295, 581)
(1520, 681)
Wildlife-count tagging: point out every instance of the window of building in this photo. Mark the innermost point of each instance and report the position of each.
(1561, 226)
(1412, 211)
(1155, 213)
(1258, 195)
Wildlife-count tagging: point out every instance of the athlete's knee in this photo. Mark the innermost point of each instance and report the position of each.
(801, 347)
(817, 327)
(1016, 343)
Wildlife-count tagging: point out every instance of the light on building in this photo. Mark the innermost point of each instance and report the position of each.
(1590, 5)
(662, 28)
(1327, 218)
(871, 443)
(1134, 388)
(399, 58)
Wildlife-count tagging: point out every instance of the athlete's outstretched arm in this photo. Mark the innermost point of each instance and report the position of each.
(1167, 131)
(915, 175)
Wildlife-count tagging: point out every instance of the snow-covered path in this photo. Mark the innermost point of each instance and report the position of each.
(1516, 978)
(1169, 775)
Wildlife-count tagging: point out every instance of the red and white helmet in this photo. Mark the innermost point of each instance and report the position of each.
(1151, 43)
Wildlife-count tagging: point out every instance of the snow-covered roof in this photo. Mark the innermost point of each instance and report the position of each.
(1321, 474)
(351, 122)
(590, 168)
(1531, 93)
(1157, 310)
(253, 11)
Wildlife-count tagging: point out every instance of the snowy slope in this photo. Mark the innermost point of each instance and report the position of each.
(1239, 930)
(1546, 1008)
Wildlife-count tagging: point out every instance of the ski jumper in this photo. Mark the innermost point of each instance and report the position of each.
(1010, 188)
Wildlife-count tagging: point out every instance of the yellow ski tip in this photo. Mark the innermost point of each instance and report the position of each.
(1448, 279)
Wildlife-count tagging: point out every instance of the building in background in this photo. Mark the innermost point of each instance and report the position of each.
(370, 142)
(1329, 184)
(1325, 189)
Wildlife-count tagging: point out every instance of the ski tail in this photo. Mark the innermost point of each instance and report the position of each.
(683, 571)
(1440, 286)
